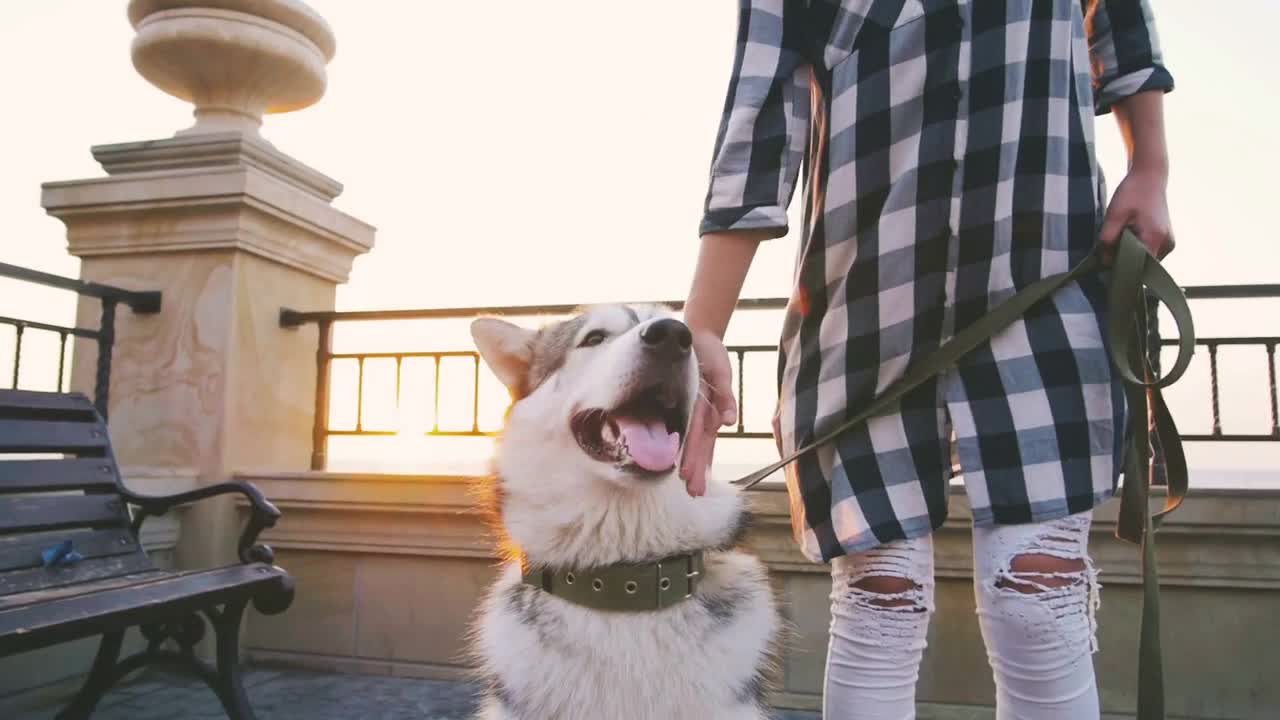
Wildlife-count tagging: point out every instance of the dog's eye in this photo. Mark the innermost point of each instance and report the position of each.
(593, 338)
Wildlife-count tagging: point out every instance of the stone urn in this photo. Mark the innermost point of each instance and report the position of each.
(235, 60)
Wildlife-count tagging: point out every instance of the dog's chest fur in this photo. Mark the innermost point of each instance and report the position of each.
(703, 659)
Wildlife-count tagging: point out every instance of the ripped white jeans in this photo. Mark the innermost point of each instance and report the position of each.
(1036, 592)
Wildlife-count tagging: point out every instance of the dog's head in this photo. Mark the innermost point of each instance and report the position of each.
(610, 389)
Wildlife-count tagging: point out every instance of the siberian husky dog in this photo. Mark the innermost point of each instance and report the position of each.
(585, 479)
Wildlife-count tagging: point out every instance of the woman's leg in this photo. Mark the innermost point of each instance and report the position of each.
(1036, 593)
(881, 601)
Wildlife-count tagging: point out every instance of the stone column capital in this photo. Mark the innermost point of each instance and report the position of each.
(219, 191)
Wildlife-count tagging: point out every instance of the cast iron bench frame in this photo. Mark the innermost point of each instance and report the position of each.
(79, 497)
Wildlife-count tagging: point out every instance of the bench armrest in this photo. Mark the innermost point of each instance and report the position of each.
(262, 514)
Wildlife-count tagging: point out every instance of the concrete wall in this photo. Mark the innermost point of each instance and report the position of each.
(389, 569)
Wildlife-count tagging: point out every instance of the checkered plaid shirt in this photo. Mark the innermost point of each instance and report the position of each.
(948, 148)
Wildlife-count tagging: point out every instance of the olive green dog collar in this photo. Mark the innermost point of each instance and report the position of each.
(625, 587)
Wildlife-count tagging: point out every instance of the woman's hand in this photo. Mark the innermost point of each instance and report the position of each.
(715, 406)
(1140, 200)
(1139, 203)
(723, 262)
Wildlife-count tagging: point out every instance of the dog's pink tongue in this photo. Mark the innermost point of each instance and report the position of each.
(649, 443)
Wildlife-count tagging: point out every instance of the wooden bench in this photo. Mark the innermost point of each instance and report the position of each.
(59, 484)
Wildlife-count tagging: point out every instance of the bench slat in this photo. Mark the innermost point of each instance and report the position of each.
(19, 552)
(35, 597)
(46, 475)
(25, 401)
(34, 581)
(50, 512)
(43, 436)
(43, 618)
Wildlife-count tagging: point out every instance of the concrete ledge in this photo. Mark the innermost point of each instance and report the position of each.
(390, 568)
(1212, 540)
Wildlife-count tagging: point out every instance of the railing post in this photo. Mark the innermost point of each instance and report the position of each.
(1213, 389)
(106, 344)
(475, 397)
(742, 363)
(62, 358)
(320, 428)
(17, 352)
(1271, 390)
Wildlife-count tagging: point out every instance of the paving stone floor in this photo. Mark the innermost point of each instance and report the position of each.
(297, 695)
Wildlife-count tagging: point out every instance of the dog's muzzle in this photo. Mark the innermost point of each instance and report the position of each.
(644, 432)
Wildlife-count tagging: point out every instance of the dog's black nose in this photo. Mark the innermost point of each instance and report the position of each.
(670, 338)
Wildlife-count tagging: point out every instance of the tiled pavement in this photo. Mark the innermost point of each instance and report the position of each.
(297, 695)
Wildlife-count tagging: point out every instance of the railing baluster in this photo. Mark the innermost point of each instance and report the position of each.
(475, 397)
(399, 365)
(320, 425)
(62, 356)
(435, 400)
(17, 352)
(1213, 387)
(360, 394)
(106, 345)
(742, 359)
(1275, 398)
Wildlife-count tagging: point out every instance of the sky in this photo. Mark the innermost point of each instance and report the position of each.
(519, 153)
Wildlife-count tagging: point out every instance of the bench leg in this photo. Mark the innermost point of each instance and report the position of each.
(225, 680)
(230, 686)
(101, 677)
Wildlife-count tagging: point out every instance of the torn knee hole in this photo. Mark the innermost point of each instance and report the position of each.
(1031, 573)
(893, 592)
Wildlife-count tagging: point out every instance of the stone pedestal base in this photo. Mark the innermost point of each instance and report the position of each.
(229, 230)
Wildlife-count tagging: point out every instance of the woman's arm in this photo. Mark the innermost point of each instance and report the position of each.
(723, 262)
(1130, 81)
(1140, 200)
(756, 159)
(754, 167)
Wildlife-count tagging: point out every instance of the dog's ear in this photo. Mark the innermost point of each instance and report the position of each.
(506, 348)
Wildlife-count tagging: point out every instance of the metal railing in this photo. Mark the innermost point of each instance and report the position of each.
(325, 357)
(1265, 342)
(141, 302)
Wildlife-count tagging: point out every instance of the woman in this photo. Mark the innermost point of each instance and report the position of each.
(949, 154)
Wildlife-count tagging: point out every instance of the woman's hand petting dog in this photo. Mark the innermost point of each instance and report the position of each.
(715, 406)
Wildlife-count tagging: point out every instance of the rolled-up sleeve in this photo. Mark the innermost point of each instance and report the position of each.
(1124, 51)
(761, 141)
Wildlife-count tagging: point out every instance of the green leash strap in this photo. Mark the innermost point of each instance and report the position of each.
(1132, 269)
(1136, 523)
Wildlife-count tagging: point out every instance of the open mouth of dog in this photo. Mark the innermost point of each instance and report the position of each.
(643, 433)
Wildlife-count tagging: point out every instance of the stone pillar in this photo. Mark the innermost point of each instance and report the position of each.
(230, 230)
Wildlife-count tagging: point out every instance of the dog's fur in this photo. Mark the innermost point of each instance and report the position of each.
(541, 657)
